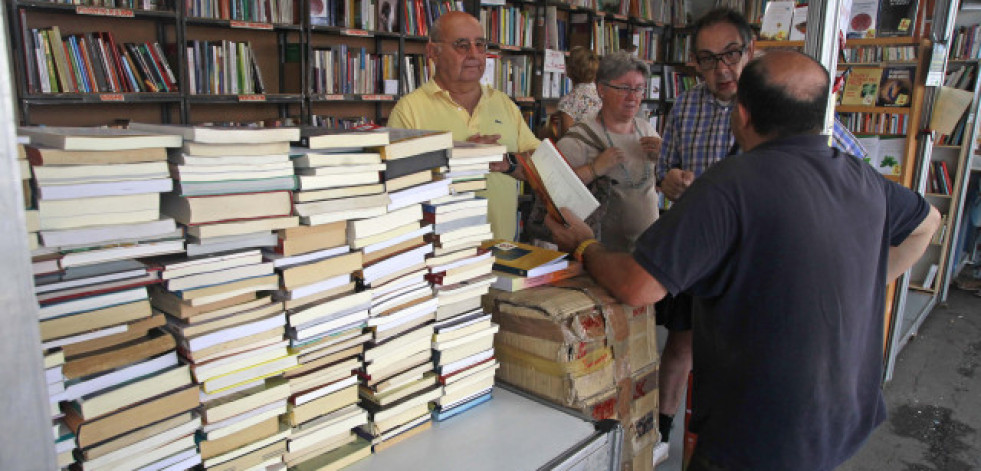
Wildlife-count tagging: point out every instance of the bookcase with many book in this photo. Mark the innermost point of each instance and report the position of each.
(945, 171)
(332, 63)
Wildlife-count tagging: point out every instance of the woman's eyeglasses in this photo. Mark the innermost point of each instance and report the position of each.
(627, 90)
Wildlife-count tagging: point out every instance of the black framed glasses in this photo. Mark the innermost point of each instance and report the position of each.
(709, 61)
(641, 90)
(463, 46)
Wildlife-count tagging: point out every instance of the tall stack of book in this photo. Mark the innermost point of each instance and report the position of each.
(338, 181)
(467, 167)
(127, 402)
(461, 274)
(233, 191)
(397, 382)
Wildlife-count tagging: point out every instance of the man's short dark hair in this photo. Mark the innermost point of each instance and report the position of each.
(774, 109)
(724, 15)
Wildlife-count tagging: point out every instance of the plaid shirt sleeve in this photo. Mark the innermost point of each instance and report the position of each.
(669, 157)
(845, 141)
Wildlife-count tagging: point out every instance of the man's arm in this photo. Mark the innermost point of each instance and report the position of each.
(618, 272)
(904, 255)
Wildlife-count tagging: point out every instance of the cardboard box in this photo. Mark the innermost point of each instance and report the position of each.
(573, 344)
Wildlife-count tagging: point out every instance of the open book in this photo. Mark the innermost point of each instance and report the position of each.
(550, 175)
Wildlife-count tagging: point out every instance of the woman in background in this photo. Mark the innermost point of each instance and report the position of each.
(583, 101)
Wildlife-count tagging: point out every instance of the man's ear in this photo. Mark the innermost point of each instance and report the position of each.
(432, 51)
(744, 121)
(751, 49)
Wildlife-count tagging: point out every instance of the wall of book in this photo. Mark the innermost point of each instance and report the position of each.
(284, 62)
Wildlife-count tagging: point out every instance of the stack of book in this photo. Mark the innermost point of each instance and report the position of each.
(461, 273)
(397, 381)
(33, 220)
(127, 401)
(232, 338)
(232, 185)
(233, 191)
(521, 266)
(64, 439)
(468, 164)
(339, 181)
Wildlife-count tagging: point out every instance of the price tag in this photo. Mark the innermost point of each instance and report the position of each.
(112, 97)
(333, 97)
(250, 25)
(357, 32)
(253, 98)
(377, 97)
(508, 47)
(524, 99)
(99, 11)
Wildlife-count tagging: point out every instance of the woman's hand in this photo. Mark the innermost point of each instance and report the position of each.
(651, 146)
(607, 160)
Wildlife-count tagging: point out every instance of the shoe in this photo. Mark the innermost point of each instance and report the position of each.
(660, 453)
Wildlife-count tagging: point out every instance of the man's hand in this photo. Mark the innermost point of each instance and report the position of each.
(605, 162)
(484, 138)
(651, 146)
(503, 165)
(675, 182)
(568, 237)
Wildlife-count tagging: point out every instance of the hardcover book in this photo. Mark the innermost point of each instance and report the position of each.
(897, 18)
(862, 22)
(776, 21)
(896, 86)
(862, 86)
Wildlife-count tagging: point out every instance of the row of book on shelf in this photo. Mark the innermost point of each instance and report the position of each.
(938, 179)
(92, 62)
(259, 11)
(417, 16)
(966, 43)
(787, 19)
(233, 298)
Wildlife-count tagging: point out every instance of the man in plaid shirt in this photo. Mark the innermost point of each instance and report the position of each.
(697, 134)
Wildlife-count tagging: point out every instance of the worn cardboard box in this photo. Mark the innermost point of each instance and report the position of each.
(573, 344)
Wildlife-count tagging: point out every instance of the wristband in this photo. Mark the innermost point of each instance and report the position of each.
(512, 163)
(581, 249)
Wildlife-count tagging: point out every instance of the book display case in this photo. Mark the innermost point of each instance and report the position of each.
(305, 62)
(280, 62)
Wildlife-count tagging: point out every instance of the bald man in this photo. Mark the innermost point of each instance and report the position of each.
(787, 250)
(454, 100)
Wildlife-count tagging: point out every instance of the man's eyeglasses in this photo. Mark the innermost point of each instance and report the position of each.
(627, 90)
(709, 61)
(463, 46)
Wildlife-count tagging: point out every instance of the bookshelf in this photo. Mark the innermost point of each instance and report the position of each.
(276, 62)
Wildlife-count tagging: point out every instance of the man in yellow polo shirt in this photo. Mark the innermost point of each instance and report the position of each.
(455, 101)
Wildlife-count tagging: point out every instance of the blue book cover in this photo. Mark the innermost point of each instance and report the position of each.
(440, 415)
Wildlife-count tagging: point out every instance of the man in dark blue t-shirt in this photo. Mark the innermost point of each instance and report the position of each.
(787, 250)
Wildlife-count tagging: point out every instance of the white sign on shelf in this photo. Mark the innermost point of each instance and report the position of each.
(554, 61)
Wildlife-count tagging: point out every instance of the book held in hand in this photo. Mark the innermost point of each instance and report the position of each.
(553, 180)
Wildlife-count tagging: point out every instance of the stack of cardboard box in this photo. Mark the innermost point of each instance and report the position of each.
(573, 344)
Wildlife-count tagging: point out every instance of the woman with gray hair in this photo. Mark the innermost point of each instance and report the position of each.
(614, 153)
